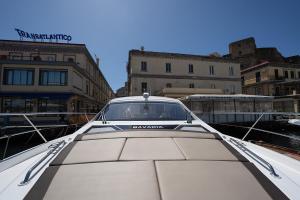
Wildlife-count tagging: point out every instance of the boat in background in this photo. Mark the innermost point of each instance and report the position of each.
(294, 122)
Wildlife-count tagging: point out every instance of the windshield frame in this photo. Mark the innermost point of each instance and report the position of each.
(102, 116)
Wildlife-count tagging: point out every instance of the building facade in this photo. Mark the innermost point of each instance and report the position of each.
(122, 91)
(157, 72)
(281, 80)
(246, 52)
(50, 77)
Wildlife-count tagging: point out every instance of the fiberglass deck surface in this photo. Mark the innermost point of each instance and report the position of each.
(152, 165)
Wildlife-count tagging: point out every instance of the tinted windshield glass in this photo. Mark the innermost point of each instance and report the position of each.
(142, 111)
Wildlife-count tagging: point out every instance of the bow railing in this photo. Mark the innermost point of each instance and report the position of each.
(20, 131)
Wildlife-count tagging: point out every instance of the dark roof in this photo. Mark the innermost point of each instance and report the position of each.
(180, 55)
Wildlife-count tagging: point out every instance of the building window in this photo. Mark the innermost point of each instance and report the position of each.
(17, 105)
(277, 89)
(257, 91)
(243, 80)
(191, 68)
(144, 87)
(191, 85)
(257, 77)
(48, 77)
(3, 57)
(143, 66)
(292, 74)
(287, 91)
(51, 58)
(232, 89)
(276, 74)
(286, 74)
(211, 70)
(298, 74)
(87, 87)
(168, 85)
(52, 105)
(18, 77)
(37, 58)
(16, 57)
(168, 67)
(231, 71)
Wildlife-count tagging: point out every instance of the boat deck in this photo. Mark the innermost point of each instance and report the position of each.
(156, 164)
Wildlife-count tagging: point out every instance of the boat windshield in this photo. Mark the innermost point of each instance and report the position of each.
(144, 111)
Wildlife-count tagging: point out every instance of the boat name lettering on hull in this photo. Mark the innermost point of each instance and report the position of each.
(147, 127)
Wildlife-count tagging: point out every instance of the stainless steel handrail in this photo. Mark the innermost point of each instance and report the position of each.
(264, 131)
(37, 128)
(255, 157)
(55, 149)
(46, 113)
(262, 114)
(248, 113)
(41, 129)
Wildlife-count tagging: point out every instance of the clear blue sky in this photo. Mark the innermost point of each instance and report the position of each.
(110, 28)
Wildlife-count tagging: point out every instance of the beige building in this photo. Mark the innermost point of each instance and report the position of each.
(281, 80)
(41, 76)
(155, 72)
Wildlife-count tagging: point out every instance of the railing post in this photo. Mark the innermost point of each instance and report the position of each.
(6, 146)
(37, 130)
(234, 110)
(252, 126)
(87, 119)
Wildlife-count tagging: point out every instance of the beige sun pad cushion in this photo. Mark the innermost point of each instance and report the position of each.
(91, 151)
(200, 149)
(136, 133)
(107, 180)
(151, 149)
(207, 180)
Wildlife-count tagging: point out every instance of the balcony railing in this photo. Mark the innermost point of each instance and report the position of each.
(37, 58)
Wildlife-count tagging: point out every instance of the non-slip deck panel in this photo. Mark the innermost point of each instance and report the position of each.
(90, 151)
(105, 180)
(198, 149)
(195, 180)
(164, 180)
(147, 133)
(152, 165)
(147, 148)
(151, 149)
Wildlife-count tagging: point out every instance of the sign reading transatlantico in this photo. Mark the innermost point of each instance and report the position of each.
(35, 36)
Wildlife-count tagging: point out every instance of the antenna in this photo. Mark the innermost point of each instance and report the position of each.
(146, 96)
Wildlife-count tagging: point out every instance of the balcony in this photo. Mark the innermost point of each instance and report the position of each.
(278, 78)
(34, 60)
(37, 60)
